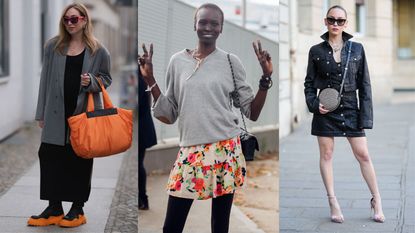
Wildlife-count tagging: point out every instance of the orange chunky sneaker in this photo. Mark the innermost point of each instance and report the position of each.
(50, 216)
(74, 218)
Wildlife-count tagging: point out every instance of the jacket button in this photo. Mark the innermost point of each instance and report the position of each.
(318, 58)
(344, 133)
(341, 105)
(328, 62)
(330, 52)
(340, 74)
(338, 65)
(342, 114)
(342, 123)
(327, 74)
(328, 85)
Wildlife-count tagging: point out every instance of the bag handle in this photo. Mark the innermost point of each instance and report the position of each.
(105, 97)
(235, 92)
(347, 66)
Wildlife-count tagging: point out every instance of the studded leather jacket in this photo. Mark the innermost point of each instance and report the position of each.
(321, 67)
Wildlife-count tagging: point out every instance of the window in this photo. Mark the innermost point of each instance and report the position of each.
(4, 38)
(360, 17)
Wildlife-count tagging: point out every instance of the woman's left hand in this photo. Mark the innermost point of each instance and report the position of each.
(85, 79)
(264, 58)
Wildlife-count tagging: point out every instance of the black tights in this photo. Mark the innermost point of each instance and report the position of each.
(142, 176)
(178, 209)
(59, 203)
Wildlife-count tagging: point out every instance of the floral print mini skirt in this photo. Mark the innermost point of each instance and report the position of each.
(208, 171)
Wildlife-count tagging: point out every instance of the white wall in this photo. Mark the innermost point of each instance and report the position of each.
(285, 91)
(18, 91)
(11, 86)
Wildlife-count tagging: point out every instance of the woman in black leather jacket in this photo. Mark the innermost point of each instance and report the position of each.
(326, 64)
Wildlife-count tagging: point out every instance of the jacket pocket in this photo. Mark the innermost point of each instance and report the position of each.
(323, 66)
(354, 63)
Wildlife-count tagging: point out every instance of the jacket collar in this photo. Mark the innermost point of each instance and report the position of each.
(346, 36)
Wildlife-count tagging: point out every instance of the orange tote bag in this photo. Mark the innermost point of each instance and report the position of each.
(101, 132)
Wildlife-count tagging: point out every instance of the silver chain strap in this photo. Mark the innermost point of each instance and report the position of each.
(235, 93)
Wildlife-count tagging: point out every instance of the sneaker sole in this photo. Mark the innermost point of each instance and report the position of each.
(41, 222)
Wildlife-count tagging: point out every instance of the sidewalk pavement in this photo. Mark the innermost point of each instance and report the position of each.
(303, 202)
(22, 200)
(198, 220)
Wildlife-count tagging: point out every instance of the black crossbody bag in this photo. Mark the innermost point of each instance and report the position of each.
(249, 142)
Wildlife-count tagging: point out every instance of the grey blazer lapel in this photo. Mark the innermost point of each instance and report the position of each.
(87, 61)
(86, 65)
(82, 97)
(61, 62)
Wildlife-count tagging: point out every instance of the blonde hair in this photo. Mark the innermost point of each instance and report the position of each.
(64, 37)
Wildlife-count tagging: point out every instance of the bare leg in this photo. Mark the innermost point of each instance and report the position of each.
(326, 145)
(361, 152)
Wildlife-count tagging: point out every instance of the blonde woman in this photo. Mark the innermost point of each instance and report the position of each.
(326, 66)
(73, 62)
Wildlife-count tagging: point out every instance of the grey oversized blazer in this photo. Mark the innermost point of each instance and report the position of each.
(50, 105)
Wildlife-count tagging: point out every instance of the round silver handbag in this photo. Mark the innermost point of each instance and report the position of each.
(329, 98)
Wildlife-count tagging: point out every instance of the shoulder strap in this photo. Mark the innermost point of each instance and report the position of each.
(347, 66)
(235, 92)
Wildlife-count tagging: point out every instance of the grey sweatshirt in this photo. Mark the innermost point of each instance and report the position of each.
(200, 97)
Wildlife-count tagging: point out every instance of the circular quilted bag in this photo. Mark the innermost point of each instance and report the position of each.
(329, 98)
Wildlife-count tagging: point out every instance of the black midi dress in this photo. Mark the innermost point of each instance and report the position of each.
(63, 175)
(342, 122)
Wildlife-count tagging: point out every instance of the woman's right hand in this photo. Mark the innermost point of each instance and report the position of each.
(322, 110)
(146, 65)
(41, 124)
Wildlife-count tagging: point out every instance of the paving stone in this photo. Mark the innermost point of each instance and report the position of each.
(303, 204)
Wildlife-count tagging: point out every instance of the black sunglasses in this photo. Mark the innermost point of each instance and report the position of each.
(72, 19)
(331, 21)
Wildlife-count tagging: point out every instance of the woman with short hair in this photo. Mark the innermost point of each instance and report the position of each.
(210, 163)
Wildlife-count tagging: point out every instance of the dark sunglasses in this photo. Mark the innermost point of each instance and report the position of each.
(331, 21)
(72, 19)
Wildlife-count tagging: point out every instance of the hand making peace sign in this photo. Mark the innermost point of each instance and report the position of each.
(264, 58)
(146, 64)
